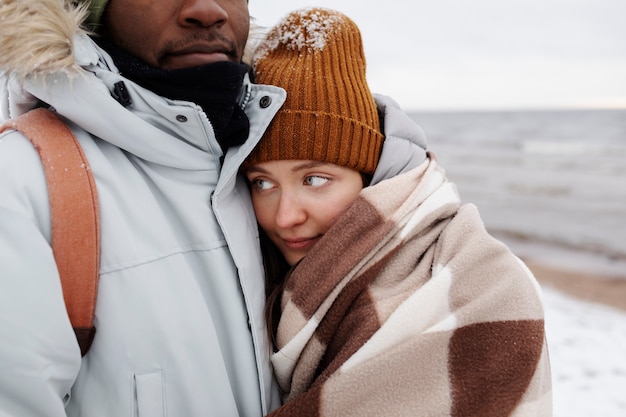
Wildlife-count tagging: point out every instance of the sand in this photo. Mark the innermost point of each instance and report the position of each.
(608, 290)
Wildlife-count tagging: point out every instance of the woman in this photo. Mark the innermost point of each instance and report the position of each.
(386, 296)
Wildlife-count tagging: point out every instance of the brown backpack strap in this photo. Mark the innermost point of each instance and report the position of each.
(74, 215)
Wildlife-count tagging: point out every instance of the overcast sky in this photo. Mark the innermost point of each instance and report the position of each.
(486, 54)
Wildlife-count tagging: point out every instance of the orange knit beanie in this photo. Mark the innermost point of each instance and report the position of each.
(317, 56)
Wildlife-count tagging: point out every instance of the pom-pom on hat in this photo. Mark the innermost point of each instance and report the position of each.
(329, 115)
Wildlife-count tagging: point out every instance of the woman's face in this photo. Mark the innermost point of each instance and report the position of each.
(297, 201)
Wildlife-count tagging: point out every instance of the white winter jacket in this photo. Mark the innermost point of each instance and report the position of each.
(180, 303)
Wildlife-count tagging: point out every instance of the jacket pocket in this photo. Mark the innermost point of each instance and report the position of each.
(149, 395)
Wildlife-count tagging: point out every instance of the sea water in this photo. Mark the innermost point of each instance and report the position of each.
(548, 182)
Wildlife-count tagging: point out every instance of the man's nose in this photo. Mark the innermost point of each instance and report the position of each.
(203, 13)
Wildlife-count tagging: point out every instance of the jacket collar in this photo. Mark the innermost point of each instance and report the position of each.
(168, 132)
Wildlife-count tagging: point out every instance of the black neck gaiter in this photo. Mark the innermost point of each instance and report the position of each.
(214, 87)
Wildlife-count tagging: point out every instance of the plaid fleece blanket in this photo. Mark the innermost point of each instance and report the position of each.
(407, 307)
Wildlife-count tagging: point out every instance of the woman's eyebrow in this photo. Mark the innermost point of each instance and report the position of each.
(307, 165)
(255, 169)
(298, 167)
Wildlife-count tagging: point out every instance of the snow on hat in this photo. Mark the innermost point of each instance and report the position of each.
(329, 115)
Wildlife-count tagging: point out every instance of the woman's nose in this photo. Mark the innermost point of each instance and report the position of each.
(291, 212)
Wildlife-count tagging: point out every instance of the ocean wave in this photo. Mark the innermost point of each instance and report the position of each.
(570, 148)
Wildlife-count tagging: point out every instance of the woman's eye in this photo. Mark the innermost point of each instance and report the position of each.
(315, 181)
(262, 184)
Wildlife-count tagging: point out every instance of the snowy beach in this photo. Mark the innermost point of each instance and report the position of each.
(552, 185)
(587, 343)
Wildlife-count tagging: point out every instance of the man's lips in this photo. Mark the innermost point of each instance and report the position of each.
(195, 56)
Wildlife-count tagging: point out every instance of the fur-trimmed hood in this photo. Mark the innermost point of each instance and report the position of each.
(48, 42)
(37, 37)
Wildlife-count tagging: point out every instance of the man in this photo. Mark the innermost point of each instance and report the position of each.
(164, 111)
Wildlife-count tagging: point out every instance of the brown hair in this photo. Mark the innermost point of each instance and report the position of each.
(276, 270)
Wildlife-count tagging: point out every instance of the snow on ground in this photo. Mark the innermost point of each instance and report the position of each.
(587, 345)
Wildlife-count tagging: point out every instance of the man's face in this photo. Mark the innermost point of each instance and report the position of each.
(174, 34)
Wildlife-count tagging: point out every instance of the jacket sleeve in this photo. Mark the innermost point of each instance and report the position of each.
(39, 356)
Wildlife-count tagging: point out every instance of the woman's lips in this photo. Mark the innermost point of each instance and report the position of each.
(300, 244)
